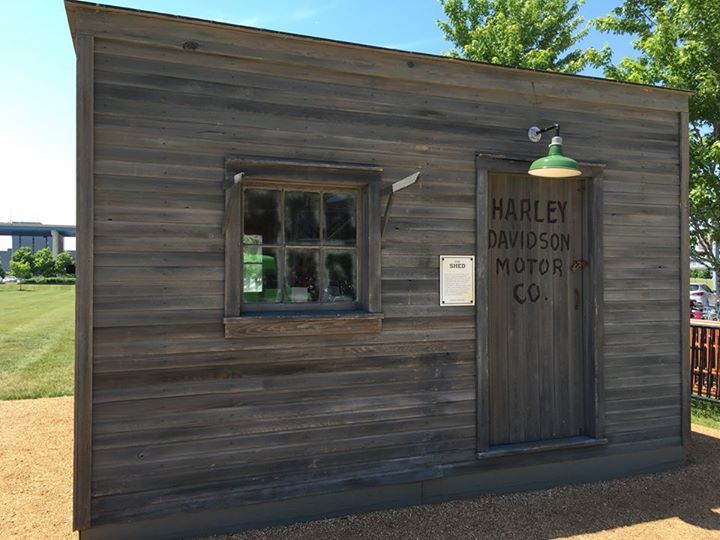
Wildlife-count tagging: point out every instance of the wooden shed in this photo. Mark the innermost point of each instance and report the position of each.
(278, 319)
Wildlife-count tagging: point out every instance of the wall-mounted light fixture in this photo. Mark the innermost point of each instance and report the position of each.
(554, 165)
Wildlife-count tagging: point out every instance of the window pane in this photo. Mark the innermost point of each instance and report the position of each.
(301, 283)
(261, 216)
(339, 218)
(260, 279)
(302, 217)
(340, 267)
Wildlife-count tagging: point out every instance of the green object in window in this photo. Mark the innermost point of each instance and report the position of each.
(260, 275)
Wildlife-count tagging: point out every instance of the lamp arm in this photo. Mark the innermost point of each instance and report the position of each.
(556, 127)
(535, 133)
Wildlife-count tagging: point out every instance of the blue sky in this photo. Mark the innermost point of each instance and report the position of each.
(38, 74)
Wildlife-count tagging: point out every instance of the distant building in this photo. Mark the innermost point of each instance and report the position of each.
(36, 236)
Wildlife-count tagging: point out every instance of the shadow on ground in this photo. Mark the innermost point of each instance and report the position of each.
(672, 504)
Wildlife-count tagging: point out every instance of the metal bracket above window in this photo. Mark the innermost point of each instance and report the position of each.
(233, 196)
(390, 192)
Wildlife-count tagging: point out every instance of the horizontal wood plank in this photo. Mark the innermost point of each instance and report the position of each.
(184, 418)
(279, 326)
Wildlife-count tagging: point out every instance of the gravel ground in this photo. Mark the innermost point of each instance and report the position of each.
(36, 469)
(35, 499)
(679, 504)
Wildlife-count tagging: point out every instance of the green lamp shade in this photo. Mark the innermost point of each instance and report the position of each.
(555, 165)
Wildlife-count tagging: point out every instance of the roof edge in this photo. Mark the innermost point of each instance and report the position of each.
(72, 5)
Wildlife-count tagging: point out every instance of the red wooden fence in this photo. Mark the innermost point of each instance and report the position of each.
(705, 359)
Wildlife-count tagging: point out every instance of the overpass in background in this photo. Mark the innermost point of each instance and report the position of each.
(36, 236)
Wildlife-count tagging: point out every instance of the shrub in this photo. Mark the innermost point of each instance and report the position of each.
(64, 264)
(20, 269)
(700, 273)
(43, 264)
(24, 255)
(52, 280)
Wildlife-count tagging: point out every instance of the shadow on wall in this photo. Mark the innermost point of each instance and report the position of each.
(658, 505)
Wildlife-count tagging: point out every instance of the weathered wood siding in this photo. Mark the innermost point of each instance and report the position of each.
(184, 419)
(536, 368)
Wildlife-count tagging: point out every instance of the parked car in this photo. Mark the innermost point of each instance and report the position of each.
(703, 294)
(10, 279)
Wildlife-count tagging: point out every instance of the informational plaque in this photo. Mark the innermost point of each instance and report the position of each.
(457, 280)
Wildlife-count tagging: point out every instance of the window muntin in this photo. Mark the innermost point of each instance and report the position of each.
(340, 218)
(262, 216)
(300, 247)
(340, 270)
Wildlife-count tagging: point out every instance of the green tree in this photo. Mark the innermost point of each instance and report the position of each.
(2, 271)
(678, 44)
(24, 255)
(21, 269)
(64, 264)
(43, 264)
(537, 34)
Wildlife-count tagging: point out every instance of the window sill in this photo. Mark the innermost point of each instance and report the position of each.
(568, 443)
(302, 324)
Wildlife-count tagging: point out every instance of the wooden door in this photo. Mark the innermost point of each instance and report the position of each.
(535, 308)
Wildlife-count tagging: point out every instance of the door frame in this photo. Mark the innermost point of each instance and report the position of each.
(485, 165)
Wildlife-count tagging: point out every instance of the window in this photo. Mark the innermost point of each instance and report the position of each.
(302, 248)
(299, 247)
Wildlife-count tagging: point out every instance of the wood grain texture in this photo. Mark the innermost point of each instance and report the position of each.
(82, 466)
(538, 362)
(594, 283)
(535, 447)
(184, 418)
(302, 325)
(258, 45)
(482, 323)
(684, 157)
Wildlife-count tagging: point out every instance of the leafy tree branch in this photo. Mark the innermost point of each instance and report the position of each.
(536, 34)
(678, 46)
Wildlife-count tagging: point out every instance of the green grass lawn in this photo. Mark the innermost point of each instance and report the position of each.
(37, 340)
(705, 413)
